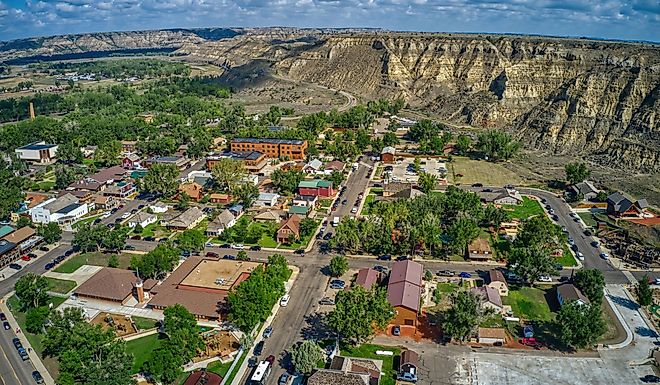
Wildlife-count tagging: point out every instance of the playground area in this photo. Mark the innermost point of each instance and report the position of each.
(121, 324)
(218, 343)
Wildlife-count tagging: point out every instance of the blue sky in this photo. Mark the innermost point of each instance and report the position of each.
(631, 20)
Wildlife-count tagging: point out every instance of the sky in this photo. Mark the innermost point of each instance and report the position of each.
(607, 19)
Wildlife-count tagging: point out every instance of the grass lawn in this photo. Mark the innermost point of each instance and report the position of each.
(481, 171)
(567, 258)
(442, 290)
(529, 303)
(203, 225)
(61, 286)
(528, 208)
(325, 203)
(219, 368)
(144, 323)
(588, 219)
(141, 349)
(230, 377)
(149, 230)
(368, 201)
(96, 259)
(87, 220)
(369, 351)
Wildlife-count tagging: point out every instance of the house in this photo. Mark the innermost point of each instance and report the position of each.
(187, 220)
(236, 210)
(203, 377)
(337, 377)
(387, 154)
(272, 148)
(509, 229)
(37, 152)
(290, 228)
(202, 178)
(367, 278)
(147, 118)
(404, 292)
(193, 190)
(269, 216)
(25, 238)
(508, 197)
(253, 161)
(334, 165)
(120, 190)
(131, 162)
(111, 285)
(361, 366)
(159, 208)
(143, 219)
(221, 223)
(396, 190)
(313, 167)
(180, 162)
(621, 205)
(491, 336)
(302, 211)
(490, 298)
(104, 202)
(479, 250)
(8, 253)
(128, 146)
(306, 201)
(408, 363)
(221, 199)
(497, 282)
(63, 209)
(568, 292)
(267, 199)
(585, 189)
(316, 187)
(88, 151)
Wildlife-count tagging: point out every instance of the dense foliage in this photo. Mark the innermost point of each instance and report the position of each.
(359, 313)
(122, 68)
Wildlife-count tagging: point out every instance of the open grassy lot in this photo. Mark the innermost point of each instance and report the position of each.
(141, 349)
(96, 259)
(587, 218)
(219, 368)
(61, 286)
(369, 351)
(567, 258)
(529, 303)
(480, 171)
(529, 207)
(368, 201)
(144, 323)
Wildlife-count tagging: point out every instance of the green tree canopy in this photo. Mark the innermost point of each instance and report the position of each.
(358, 313)
(591, 282)
(156, 263)
(465, 314)
(191, 240)
(530, 263)
(305, 356)
(576, 172)
(497, 145)
(338, 265)
(644, 292)
(580, 325)
(161, 179)
(51, 232)
(31, 290)
(286, 182)
(427, 182)
(228, 173)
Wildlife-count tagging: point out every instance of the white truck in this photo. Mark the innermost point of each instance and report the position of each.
(335, 221)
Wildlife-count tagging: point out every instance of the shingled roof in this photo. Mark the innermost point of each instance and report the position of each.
(109, 283)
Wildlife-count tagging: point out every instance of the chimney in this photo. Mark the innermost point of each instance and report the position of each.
(31, 110)
(140, 291)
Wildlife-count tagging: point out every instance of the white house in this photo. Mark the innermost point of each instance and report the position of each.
(267, 199)
(63, 209)
(306, 200)
(159, 208)
(508, 197)
(38, 152)
(224, 221)
(313, 167)
(143, 219)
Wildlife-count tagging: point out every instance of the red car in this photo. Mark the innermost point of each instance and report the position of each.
(531, 342)
(25, 258)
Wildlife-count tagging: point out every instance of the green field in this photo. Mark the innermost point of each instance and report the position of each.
(529, 303)
(141, 349)
(95, 259)
(61, 286)
(567, 258)
(529, 208)
(144, 323)
(588, 219)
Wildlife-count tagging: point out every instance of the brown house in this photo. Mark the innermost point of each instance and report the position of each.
(479, 250)
(367, 278)
(272, 148)
(290, 227)
(404, 292)
(387, 155)
(193, 190)
(218, 198)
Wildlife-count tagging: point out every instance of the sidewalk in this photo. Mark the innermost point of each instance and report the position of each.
(243, 368)
(34, 357)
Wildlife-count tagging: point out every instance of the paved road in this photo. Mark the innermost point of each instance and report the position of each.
(128, 206)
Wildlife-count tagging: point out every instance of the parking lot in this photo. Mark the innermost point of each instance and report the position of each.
(402, 170)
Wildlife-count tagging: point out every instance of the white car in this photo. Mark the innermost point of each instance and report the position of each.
(237, 246)
(545, 278)
(285, 300)
(354, 210)
(125, 215)
(580, 256)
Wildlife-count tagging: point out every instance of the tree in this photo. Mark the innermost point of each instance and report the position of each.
(23, 222)
(377, 145)
(64, 176)
(338, 266)
(576, 172)
(242, 256)
(591, 282)
(51, 232)
(107, 153)
(580, 325)
(164, 363)
(359, 313)
(390, 139)
(427, 182)
(11, 190)
(69, 152)
(31, 290)
(183, 202)
(428, 275)
(464, 316)
(161, 179)
(156, 263)
(497, 145)
(644, 292)
(460, 234)
(286, 182)
(113, 261)
(463, 144)
(191, 240)
(35, 318)
(494, 216)
(181, 328)
(529, 263)
(247, 194)
(307, 227)
(115, 239)
(252, 300)
(336, 177)
(305, 356)
(538, 231)
(228, 173)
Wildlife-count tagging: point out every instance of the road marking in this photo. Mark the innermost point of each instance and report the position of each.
(10, 365)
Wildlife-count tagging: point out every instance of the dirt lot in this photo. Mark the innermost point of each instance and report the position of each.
(122, 325)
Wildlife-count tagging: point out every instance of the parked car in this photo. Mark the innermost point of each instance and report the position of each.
(650, 379)
(17, 343)
(225, 246)
(15, 266)
(545, 278)
(23, 353)
(299, 251)
(25, 258)
(354, 210)
(337, 285)
(587, 232)
(211, 254)
(284, 378)
(580, 256)
(327, 236)
(605, 256)
(258, 348)
(327, 301)
(465, 275)
(477, 185)
(559, 266)
(595, 243)
(129, 247)
(270, 359)
(571, 241)
(32, 255)
(381, 269)
(237, 246)
(125, 215)
(267, 332)
(149, 239)
(402, 258)
(396, 330)
(406, 376)
(229, 256)
(3, 317)
(285, 300)
(44, 248)
(252, 362)
(37, 377)
(445, 273)
(255, 248)
(49, 266)
(6, 325)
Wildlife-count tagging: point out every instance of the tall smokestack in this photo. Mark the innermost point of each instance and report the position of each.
(140, 291)
(31, 110)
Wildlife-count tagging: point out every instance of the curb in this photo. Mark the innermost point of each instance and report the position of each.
(619, 317)
(34, 357)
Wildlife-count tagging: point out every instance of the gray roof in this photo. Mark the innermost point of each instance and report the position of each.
(142, 217)
(37, 146)
(267, 140)
(488, 294)
(388, 150)
(224, 218)
(569, 292)
(6, 246)
(187, 218)
(621, 202)
(68, 208)
(585, 187)
(60, 203)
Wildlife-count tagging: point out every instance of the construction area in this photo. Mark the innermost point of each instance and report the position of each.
(217, 343)
(121, 324)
